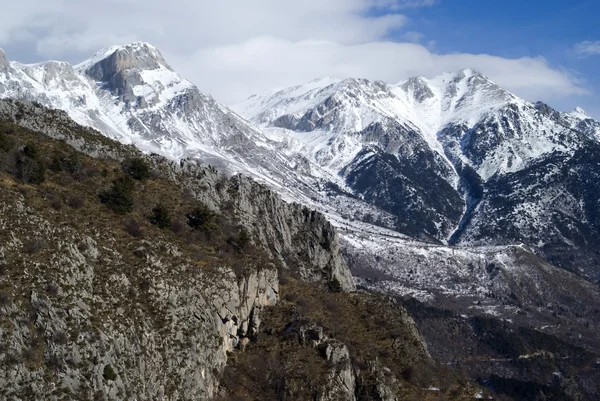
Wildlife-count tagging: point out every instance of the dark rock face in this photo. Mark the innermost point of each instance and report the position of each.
(419, 89)
(395, 171)
(590, 127)
(551, 205)
(402, 187)
(548, 111)
(398, 175)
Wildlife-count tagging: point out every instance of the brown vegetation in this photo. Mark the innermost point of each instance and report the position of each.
(375, 330)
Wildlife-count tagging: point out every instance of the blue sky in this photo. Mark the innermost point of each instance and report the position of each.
(514, 29)
(234, 48)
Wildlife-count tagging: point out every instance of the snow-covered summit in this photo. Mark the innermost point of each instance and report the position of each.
(580, 121)
(129, 93)
(426, 103)
(464, 96)
(579, 113)
(443, 111)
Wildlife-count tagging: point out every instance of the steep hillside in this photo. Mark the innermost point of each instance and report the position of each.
(120, 280)
(125, 276)
(551, 205)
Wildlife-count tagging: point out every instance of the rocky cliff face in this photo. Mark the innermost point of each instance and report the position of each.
(83, 319)
(118, 60)
(334, 347)
(4, 63)
(290, 232)
(88, 312)
(300, 238)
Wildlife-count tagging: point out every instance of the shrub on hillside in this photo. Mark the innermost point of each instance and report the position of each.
(138, 168)
(161, 216)
(5, 143)
(76, 201)
(6, 158)
(30, 167)
(31, 150)
(56, 164)
(4, 298)
(109, 373)
(240, 241)
(55, 201)
(75, 165)
(178, 227)
(119, 198)
(202, 218)
(72, 163)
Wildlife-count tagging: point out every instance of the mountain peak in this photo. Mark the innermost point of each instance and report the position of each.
(578, 112)
(115, 59)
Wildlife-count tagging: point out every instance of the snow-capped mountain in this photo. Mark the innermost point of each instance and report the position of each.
(435, 153)
(460, 102)
(423, 163)
(131, 94)
(578, 119)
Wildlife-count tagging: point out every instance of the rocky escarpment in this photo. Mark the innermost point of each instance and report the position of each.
(138, 55)
(300, 238)
(87, 319)
(291, 233)
(4, 63)
(119, 71)
(94, 308)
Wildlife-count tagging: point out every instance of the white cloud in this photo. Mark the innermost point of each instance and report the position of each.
(236, 71)
(587, 48)
(233, 48)
(184, 24)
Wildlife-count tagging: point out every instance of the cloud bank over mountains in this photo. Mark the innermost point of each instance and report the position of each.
(234, 48)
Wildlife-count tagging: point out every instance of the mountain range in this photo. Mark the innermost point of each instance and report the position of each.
(409, 172)
(449, 190)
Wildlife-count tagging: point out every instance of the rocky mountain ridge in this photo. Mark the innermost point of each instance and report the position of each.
(454, 132)
(156, 320)
(131, 94)
(438, 159)
(354, 149)
(458, 133)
